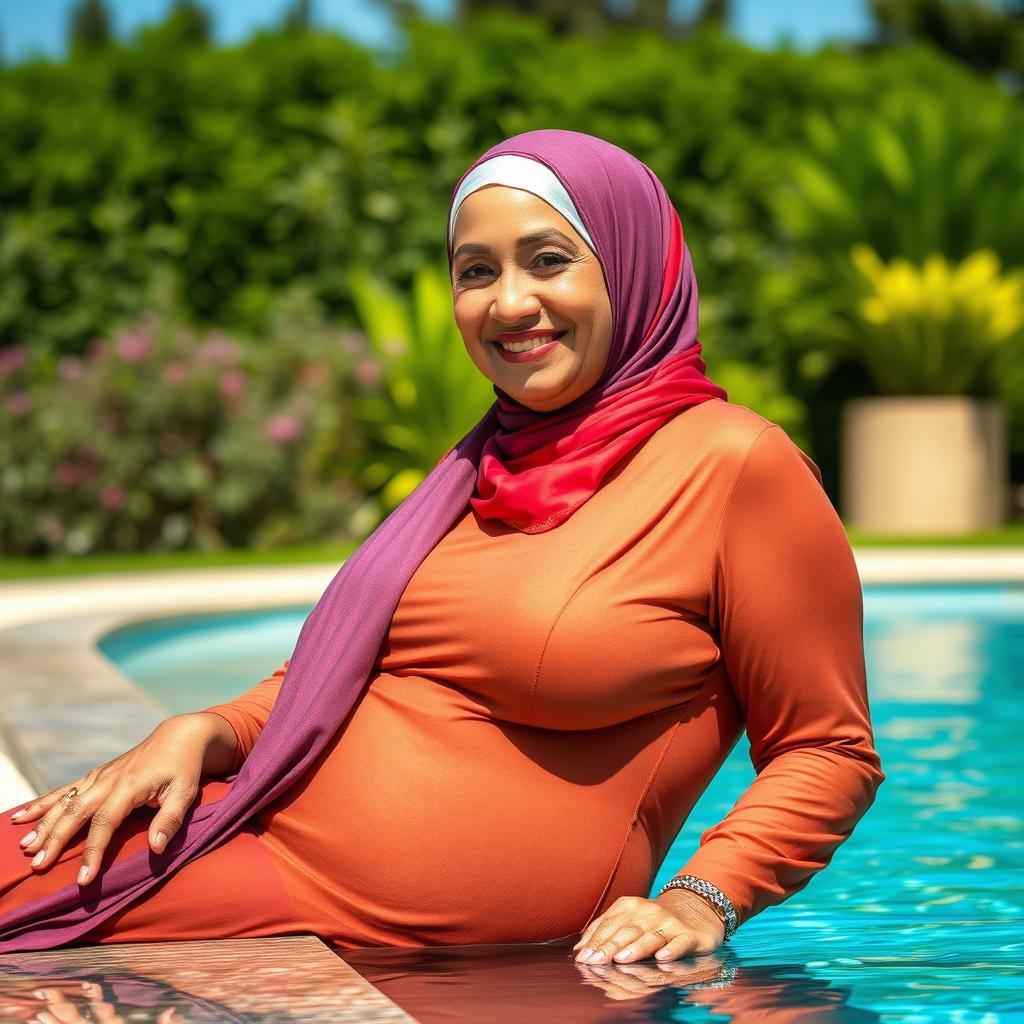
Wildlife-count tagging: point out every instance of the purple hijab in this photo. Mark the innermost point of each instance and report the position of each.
(628, 214)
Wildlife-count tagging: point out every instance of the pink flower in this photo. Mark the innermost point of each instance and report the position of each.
(218, 350)
(282, 428)
(314, 374)
(12, 358)
(112, 497)
(66, 474)
(175, 373)
(70, 368)
(353, 342)
(19, 404)
(133, 348)
(367, 372)
(232, 383)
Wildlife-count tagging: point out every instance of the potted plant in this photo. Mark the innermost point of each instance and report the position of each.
(927, 453)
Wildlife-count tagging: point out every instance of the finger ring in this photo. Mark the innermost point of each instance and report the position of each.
(68, 795)
(658, 931)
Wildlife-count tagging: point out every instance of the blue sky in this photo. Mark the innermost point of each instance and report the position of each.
(39, 26)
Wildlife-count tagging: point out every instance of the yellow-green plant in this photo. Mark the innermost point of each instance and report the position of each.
(941, 328)
(431, 393)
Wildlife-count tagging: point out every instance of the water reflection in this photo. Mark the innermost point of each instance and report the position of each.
(542, 982)
(928, 662)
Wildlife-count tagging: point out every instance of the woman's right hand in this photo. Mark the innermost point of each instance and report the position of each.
(163, 771)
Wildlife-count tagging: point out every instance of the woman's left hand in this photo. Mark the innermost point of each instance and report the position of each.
(677, 923)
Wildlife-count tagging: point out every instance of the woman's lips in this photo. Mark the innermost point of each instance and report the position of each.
(534, 353)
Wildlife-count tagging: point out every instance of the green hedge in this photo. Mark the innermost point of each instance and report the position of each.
(217, 183)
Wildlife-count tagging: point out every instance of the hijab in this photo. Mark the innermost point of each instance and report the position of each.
(536, 469)
(530, 469)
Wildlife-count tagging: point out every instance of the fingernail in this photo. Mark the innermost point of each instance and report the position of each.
(25, 840)
(160, 840)
(596, 957)
(623, 954)
(38, 858)
(83, 877)
(17, 814)
(584, 953)
(662, 954)
(38, 994)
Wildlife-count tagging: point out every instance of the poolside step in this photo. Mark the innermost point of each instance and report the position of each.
(294, 978)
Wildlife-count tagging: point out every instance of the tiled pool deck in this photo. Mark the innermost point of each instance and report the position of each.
(64, 708)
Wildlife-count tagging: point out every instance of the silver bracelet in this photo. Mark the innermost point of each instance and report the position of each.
(712, 894)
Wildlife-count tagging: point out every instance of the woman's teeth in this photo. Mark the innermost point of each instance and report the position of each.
(529, 343)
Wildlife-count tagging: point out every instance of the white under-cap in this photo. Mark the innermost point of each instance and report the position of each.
(519, 172)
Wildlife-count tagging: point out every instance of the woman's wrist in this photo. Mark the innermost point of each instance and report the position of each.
(690, 907)
(710, 895)
(218, 740)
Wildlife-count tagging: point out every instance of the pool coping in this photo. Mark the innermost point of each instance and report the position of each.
(66, 708)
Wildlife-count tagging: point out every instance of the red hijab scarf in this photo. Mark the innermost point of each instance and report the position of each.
(537, 468)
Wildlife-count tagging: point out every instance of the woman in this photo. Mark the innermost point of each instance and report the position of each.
(500, 713)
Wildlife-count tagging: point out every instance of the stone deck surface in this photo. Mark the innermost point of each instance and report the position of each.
(292, 979)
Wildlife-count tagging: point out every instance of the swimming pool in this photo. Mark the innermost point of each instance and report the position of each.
(919, 916)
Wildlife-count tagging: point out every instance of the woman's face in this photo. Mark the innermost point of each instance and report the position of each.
(520, 267)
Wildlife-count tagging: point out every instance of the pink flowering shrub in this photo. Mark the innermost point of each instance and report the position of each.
(162, 438)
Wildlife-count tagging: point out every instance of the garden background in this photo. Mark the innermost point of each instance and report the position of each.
(225, 319)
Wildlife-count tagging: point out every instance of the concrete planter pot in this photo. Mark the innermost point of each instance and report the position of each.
(924, 464)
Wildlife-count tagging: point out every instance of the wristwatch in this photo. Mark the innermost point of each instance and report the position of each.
(712, 894)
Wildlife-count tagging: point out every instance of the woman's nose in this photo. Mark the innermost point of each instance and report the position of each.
(515, 298)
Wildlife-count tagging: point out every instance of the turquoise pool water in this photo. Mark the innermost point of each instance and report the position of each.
(918, 918)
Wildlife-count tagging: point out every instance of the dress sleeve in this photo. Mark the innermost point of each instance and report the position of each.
(248, 713)
(787, 606)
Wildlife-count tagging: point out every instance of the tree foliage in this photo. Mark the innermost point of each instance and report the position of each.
(986, 35)
(89, 26)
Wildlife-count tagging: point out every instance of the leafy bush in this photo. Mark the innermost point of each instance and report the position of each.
(432, 392)
(163, 438)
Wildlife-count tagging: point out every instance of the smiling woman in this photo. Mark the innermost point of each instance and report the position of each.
(530, 298)
(504, 707)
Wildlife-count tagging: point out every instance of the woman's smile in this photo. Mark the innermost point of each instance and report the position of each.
(527, 345)
(530, 298)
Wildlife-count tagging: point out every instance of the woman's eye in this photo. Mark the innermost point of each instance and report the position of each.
(468, 275)
(545, 261)
(559, 259)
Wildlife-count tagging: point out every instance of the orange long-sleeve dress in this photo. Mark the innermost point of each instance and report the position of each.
(547, 708)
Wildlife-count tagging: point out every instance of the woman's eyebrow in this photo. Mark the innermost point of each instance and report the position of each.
(548, 235)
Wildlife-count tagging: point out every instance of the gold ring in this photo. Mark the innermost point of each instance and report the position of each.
(68, 795)
(658, 931)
